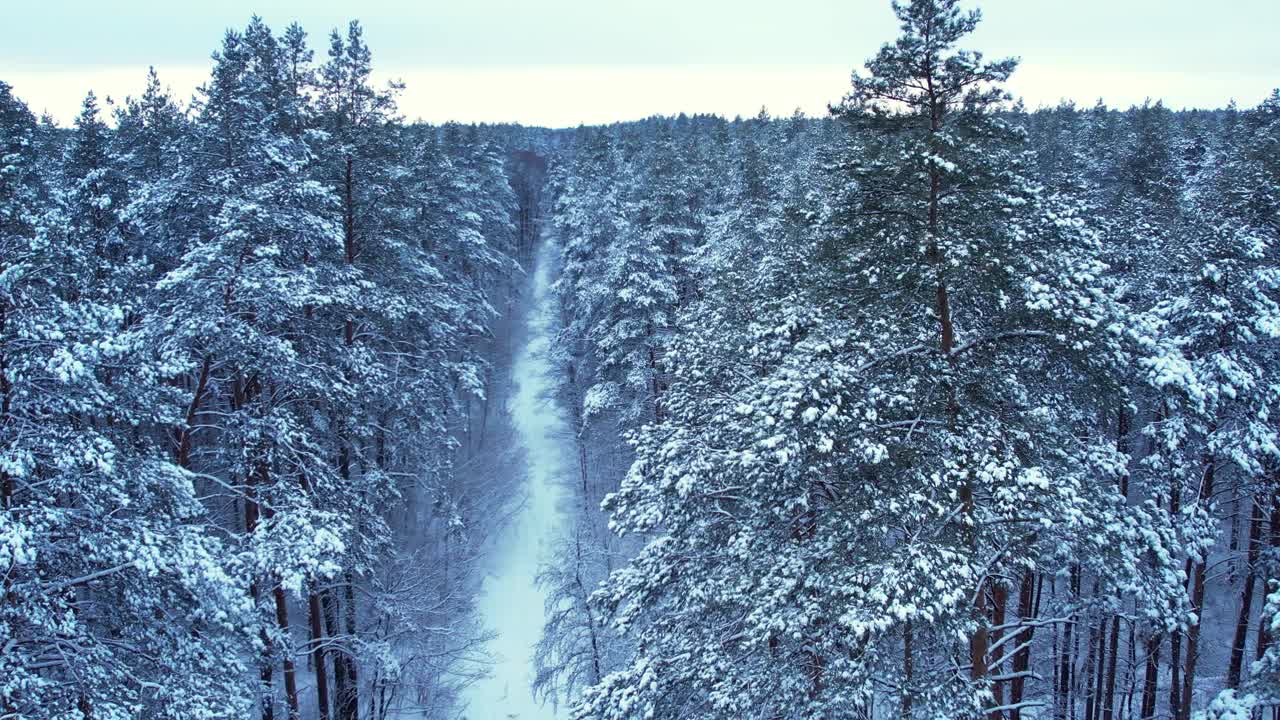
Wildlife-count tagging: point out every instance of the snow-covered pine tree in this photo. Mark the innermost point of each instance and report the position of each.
(146, 145)
(847, 488)
(102, 534)
(640, 278)
(232, 317)
(94, 196)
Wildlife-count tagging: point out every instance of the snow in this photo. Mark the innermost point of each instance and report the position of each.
(511, 603)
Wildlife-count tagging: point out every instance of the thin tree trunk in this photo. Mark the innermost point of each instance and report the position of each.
(1074, 677)
(329, 605)
(348, 700)
(979, 642)
(1131, 673)
(999, 605)
(1175, 636)
(1155, 639)
(906, 694)
(1063, 693)
(1090, 668)
(288, 668)
(290, 672)
(484, 409)
(318, 654)
(1197, 604)
(266, 693)
(349, 706)
(1055, 657)
(1066, 659)
(1109, 693)
(183, 453)
(585, 598)
(1233, 537)
(1100, 673)
(1236, 665)
(6, 408)
(1152, 676)
(1022, 655)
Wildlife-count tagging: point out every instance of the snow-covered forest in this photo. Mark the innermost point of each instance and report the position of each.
(936, 406)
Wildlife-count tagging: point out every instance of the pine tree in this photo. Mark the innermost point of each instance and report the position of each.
(232, 314)
(95, 197)
(103, 534)
(845, 485)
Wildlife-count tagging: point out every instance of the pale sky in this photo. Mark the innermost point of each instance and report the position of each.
(564, 62)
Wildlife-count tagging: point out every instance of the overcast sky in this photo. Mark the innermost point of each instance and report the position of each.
(565, 62)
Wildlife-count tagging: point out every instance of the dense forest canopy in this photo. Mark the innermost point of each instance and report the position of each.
(936, 407)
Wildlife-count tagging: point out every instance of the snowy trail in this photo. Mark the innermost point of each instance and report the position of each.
(511, 603)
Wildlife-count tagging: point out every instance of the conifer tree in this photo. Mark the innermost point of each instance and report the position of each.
(884, 436)
(102, 533)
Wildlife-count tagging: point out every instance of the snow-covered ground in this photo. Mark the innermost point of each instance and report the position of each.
(511, 603)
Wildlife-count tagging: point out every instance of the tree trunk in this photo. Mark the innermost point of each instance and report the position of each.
(980, 641)
(1152, 676)
(317, 654)
(1109, 692)
(6, 480)
(282, 623)
(999, 604)
(1090, 669)
(908, 670)
(1100, 673)
(265, 697)
(182, 454)
(1197, 604)
(1059, 711)
(584, 596)
(329, 605)
(1131, 672)
(349, 705)
(348, 699)
(1175, 636)
(1151, 680)
(1067, 658)
(6, 409)
(1022, 653)
(290, 673)
(1236, 666)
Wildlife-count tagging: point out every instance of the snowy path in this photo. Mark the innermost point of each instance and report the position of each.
(511, 603)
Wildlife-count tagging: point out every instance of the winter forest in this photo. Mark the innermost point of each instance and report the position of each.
(933, 407)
